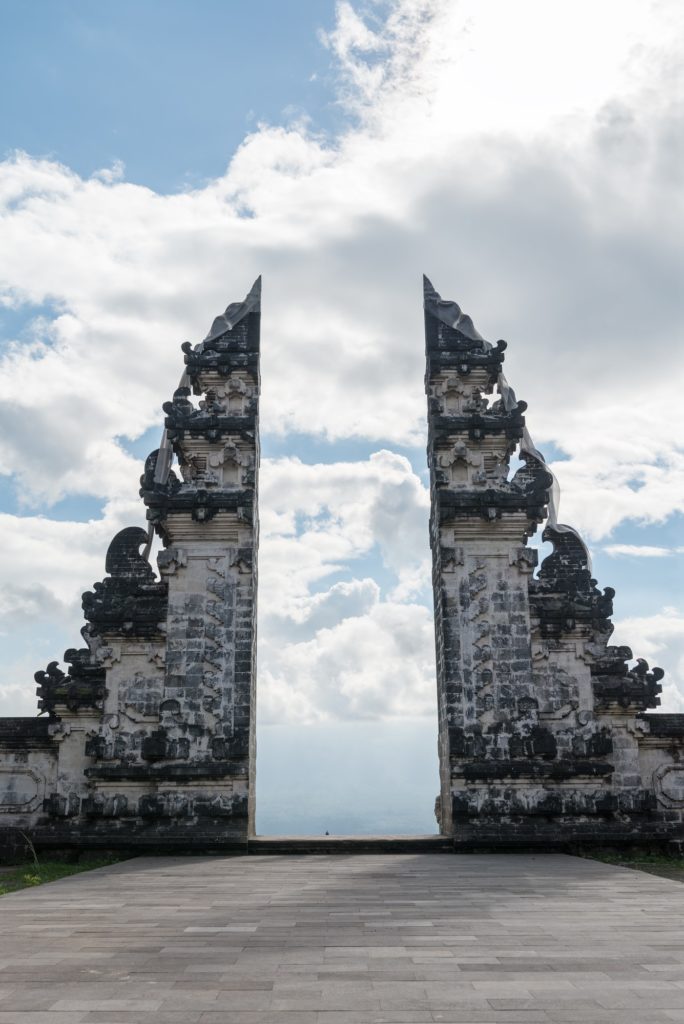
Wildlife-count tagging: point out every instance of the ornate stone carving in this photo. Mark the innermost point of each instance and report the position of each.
(542, 735)
(130, 601)
(82, 687)
(669, 784)
(616, 686)
(564, 594)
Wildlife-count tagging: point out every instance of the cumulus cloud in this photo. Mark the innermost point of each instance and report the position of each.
(545, 201)
(377, 665)
(43, 556)
(517, 198)
(340, 648)
(315, 518)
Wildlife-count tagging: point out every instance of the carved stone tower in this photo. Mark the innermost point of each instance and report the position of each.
(541, 732)
(150, 735)
(209, 526)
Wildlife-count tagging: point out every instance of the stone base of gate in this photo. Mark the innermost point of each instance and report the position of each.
(349, 844)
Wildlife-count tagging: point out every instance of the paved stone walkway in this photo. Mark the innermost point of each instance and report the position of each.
(354, 939)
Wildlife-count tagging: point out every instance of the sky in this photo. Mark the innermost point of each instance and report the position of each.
(156, 157)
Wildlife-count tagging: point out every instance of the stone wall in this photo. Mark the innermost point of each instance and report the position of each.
(542, 739)
(28, 768)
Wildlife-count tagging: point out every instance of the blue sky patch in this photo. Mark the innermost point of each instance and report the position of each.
(169, 89)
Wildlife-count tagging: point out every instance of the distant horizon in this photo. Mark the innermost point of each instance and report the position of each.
(384, 791)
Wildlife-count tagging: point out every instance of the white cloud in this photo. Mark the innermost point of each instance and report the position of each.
(343, 510)
(376, 665)
(18, 701)
(638, 550)
(60, 559)
(344, 651)
(533, 222)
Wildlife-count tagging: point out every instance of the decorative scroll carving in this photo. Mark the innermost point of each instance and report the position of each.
(616, 686)
(129, 602)
(82, 687)
(149, 484)
(669, 785)
(564, 594)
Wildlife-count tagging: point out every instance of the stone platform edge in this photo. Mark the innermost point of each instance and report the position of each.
(13, 843)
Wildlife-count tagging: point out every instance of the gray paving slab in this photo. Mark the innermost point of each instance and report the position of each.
(414, 938)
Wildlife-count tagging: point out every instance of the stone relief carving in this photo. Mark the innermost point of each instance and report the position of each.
(21, 789)
(669, 784)
(530, 695)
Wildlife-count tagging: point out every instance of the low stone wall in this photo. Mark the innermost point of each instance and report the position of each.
(28, 762)
(28, 768)
(661, 756)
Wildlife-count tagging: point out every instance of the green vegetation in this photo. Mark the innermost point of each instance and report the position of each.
(663, 864)
(25, 875)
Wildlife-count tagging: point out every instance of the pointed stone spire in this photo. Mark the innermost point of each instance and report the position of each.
(235, 312)
(449, 312)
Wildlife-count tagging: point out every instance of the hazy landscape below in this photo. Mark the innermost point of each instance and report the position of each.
(347, 778)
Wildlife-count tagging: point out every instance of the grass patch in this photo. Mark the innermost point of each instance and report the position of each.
(663, 864)
(27, 875)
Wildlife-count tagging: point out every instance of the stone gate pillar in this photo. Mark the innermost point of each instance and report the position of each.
(209, 525)
(542, 736)
(480, 520)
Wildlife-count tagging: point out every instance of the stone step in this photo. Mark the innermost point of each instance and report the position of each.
(349, 844)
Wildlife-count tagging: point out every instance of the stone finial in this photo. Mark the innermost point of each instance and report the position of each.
(235, 312)
(449, 312)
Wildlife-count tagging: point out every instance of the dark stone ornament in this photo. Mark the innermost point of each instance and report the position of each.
(154, 746)
(131, 601)
(481, 425)
(616, 686)
(565, 594)
(210, 420)
(148, 485)
(82, 687)
(450, 349)
(527, 492)
(232, 342)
